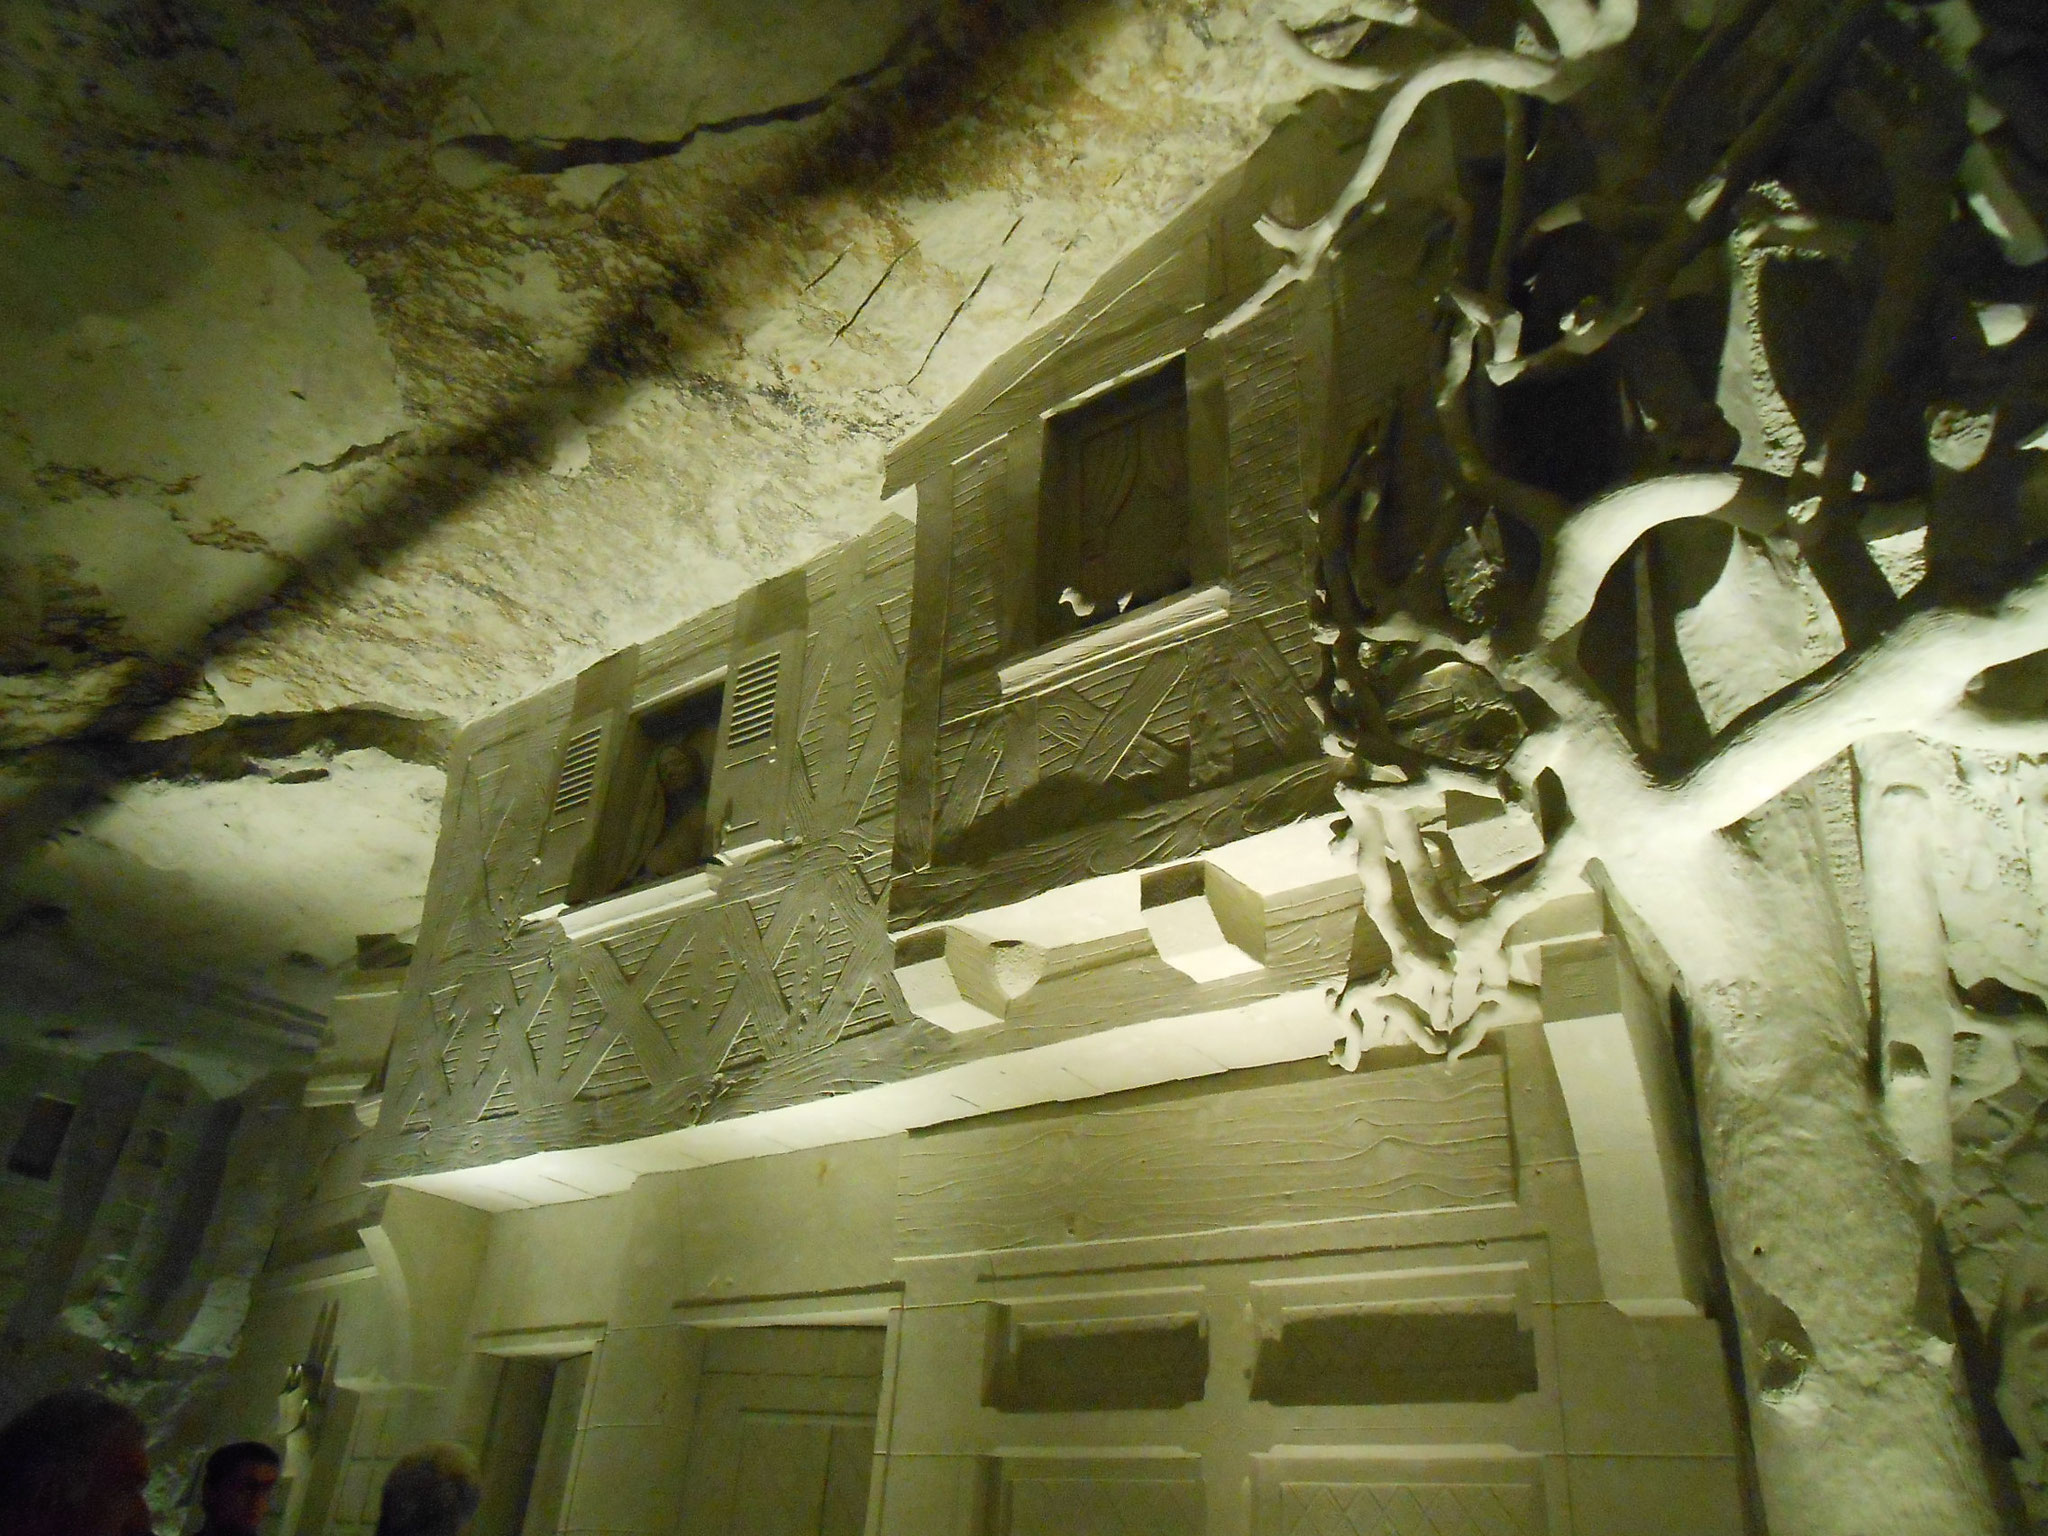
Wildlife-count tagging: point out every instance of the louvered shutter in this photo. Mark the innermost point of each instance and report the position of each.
(757, 731)
(598, 723)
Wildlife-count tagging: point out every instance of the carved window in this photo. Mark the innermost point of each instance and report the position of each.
(664, 785)
(1113, 516)
(41, 1139)
(1445, 1354)
(1091, 1367)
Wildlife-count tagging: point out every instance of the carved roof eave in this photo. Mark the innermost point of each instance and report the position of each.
(1117, 299)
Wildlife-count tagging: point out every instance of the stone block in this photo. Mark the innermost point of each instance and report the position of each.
(1185, 921)
(929, 987)
(628, 1478)
(921, 1495)
(644, 1376)
(1575, 916)
(941, 1367)
(1612, 1061)
(1553, 1195)
(1491, 838)
(1670, 1495)
(1642, 1386)
(1581, 978)
(1543, 1130)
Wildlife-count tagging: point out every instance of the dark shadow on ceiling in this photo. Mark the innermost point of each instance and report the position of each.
(935, 74)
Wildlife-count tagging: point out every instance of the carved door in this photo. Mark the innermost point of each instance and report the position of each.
(785, 1433)
(530, 1445)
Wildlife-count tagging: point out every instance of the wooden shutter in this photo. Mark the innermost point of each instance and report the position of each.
(757, 730)
(584, 768)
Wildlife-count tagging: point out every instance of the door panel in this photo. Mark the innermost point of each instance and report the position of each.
(785, 1434)
(519, 1413)
(801, 1476)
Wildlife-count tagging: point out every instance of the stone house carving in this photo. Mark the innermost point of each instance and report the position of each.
(862, 1066)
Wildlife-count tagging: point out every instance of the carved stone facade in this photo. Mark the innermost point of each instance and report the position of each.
(556, 999)
(863, 1066)
(920, 724)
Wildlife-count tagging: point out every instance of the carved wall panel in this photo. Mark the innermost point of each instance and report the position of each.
(1407, 1509)
(1100, 1499)
(518, 1032)
(1013, 782)
(1041, 726)
(889, 752)
(1411, 1139)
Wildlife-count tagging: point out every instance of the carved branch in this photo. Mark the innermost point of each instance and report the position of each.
(1704, 215)
(1581, 29)
(1708, 57)
(1983, 731)
(1349, 77)
(1921, 155)
(1915, 678)
(1514, 179)
(1593, 539)
(1477, 317)
(1307, 246)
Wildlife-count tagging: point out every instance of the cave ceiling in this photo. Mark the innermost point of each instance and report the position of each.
(373, 364)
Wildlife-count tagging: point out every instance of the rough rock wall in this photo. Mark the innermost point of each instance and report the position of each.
(1991, 881)
(434, 287)
(410, 356)
(131, 1257)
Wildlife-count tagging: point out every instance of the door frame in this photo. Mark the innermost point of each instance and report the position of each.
(489, 1353)
(863, 1307)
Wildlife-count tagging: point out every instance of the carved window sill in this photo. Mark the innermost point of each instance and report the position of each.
(1150, 628)
(595, 919)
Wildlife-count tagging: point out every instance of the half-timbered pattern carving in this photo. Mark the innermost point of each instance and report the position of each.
(666, 892)
(561, 997)
(984, 867)
(1073, 687)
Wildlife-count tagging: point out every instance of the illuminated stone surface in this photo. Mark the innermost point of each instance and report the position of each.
(407, 414)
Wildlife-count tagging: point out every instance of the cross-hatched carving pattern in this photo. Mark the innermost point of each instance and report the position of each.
(1410, 1509)
(520, 1035)
(632, 950)
(1072, 1506)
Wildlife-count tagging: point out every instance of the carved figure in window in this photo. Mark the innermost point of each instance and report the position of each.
(1113, 519)
(668, 833)
(673, 831)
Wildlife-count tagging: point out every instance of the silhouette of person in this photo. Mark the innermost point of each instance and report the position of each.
(681, 779)
(74, 1463)
(235, 1493)
(432, 1491)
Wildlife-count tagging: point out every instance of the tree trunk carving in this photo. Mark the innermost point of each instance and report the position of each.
(1659, 687)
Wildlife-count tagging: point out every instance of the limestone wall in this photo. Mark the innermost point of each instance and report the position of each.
(1065, 1317)
(138, 1211)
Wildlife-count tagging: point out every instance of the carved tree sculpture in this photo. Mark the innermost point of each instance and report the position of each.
(1825, 546)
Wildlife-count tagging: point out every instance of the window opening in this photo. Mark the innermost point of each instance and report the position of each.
(41, 1141)
(1113, 517)
(667, 769)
